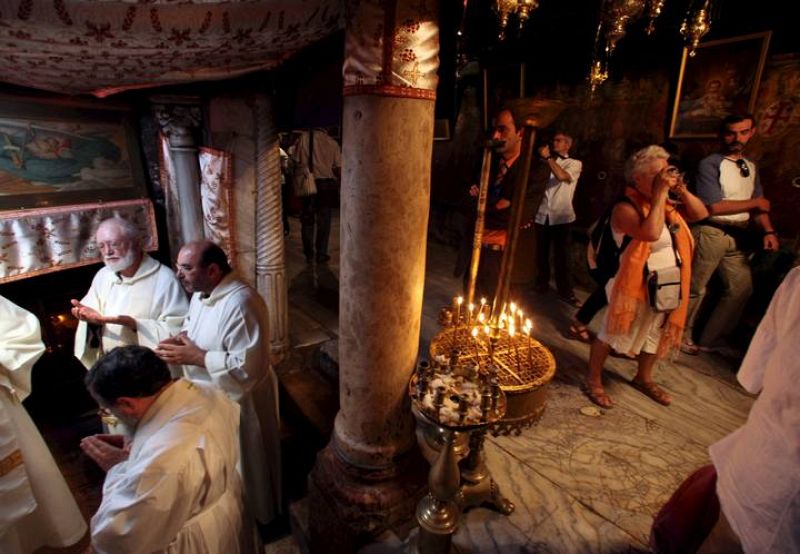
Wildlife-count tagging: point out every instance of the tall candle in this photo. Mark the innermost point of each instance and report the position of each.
(528, 332)
(511, 332)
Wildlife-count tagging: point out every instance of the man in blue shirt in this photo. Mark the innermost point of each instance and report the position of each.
(728, 184)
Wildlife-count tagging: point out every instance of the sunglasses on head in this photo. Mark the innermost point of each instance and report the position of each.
(744, 170)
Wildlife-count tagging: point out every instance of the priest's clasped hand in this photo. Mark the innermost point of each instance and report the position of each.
(106, 450)
(90, 315)
(180, 350)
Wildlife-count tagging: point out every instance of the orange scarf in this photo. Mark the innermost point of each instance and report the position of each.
(629, 293)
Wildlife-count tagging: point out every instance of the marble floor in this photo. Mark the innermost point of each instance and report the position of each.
(580, 483)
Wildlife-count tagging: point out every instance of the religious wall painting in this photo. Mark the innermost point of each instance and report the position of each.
(722, 78)
(776, 145)
(56, 153)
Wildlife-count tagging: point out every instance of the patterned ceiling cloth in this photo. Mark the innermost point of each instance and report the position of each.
(104, 47)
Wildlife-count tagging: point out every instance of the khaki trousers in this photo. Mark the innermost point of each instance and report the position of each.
(715, 250)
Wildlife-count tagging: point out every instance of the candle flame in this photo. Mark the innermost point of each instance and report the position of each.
(459, 300)
(483, 301)
(474, 332)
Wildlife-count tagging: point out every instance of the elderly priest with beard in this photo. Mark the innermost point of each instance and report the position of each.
(174, 488)
(133, 300)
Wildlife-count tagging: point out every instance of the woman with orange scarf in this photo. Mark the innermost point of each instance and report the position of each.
(660, 239)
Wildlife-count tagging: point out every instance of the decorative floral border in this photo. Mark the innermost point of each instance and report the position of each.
(43, 240)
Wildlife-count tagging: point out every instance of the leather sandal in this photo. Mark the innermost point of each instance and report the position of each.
(689, 347)
(597, 395)
(578, 331)
(652, 390)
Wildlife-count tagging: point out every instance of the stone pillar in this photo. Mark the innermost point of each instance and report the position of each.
(370, 475)
(270, 256)
(184, 208)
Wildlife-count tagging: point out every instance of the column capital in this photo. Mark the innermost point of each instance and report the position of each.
(178, 117)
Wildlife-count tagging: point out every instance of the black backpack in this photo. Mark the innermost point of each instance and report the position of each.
(602, 252)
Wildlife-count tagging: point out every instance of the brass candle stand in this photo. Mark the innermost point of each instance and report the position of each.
(454, 403)
(523, 365)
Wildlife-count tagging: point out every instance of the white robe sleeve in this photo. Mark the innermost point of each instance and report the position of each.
(170, 307)
(20, 346)
(780, 321)
(142, 510)
(240, 364)
(87, 354)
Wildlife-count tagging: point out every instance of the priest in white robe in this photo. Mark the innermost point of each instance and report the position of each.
(226, 342)
(36, 506)
(133, 299)
(174, 488)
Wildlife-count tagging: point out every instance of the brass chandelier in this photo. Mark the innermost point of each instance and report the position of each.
(617, 15)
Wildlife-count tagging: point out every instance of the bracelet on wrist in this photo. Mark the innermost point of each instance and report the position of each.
(770, 233)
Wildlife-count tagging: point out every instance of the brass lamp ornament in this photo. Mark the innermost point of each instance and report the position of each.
(654, 8)
(522, 8)
(618, 15)
(598, 74)
(696, 25)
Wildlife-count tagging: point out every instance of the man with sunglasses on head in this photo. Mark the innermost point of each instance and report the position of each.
(728, 184)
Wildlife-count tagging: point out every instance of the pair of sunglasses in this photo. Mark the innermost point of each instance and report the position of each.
(744, 169)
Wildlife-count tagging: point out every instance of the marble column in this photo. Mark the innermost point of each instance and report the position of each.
(184, 208)
(270, 256)
(370, 476)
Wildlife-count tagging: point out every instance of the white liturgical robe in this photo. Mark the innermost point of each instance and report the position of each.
(153, 297)
(758, 465)
(178, 492)
(36, 506)
(232, 325)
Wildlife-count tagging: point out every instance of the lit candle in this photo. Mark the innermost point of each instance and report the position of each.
(475, 339)
(483, 303)
(470, 307)
(481, 317)
(459, 301)
(521, 318)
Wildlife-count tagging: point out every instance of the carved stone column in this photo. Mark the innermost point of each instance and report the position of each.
(370, 475)
(270, 255)
(178, 119)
